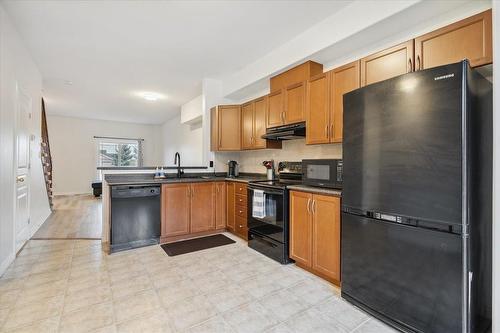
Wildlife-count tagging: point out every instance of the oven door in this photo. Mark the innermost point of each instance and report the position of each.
(272, 221)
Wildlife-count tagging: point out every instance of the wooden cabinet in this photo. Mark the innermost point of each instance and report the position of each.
(287, 106)
(324, 103)
(230, 206)
(275, 109)
(247, 122)
(388, 63)
(175, 206)
(301, 228)
(469, 39)
(326, 235)
(253, 124)
(192, 209)
(225, 128)
(237, 209)
(343, 80)
(315, 233)
(202, 207)
(220, 205)
(297, 74)
(295, 103)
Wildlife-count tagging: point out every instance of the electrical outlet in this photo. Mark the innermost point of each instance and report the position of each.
(211, 164)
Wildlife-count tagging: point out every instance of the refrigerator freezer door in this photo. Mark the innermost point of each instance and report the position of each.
(402, 146)
(411, 275)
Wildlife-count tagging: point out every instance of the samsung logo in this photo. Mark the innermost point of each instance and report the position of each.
(442, 77)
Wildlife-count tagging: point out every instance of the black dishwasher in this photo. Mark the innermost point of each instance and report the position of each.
(135, 216)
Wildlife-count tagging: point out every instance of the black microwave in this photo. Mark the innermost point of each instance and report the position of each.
(322, 173)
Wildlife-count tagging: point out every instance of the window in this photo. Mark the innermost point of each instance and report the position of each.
(115, 152)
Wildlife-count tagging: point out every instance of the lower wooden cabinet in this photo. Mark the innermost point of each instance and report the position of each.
(315, 233)
(192, 208)
(202, 207)
(220, 205)
(175, 209)
(237, 209)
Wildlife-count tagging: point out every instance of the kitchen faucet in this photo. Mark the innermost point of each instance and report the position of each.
(177, 160)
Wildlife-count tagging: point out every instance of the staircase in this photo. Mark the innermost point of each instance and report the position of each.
(45, 155)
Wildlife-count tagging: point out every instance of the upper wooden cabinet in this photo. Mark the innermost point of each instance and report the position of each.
(469, 39)
(343, 80)
(275, 108)
(253, 125)
(297, 74)
(324, 103)
(315, 233)
(387, 64)
(295, 103)
(225, 128)
(318, 109)
(287, 106)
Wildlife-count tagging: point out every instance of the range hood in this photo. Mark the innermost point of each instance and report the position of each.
(286, 132)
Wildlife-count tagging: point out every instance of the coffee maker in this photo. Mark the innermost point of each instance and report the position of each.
(232, 169)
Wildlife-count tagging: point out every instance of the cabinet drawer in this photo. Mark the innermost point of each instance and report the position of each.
(241, 200)
(240, 227)
(241, 188)
(241, 211)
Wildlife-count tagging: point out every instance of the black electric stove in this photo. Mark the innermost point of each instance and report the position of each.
(268, 223)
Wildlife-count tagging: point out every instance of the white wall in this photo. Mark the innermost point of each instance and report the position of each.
(183, 138)
(17, 67)
(192, 111)
(496, 168)
(73, 148)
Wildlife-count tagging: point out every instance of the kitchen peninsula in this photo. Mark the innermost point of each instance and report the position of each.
(186, 208)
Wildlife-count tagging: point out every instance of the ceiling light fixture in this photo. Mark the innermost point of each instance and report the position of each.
(150, 96)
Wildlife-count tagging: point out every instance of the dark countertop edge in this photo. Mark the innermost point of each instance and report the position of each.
(242, 179)
(313, 189)
(153, 168)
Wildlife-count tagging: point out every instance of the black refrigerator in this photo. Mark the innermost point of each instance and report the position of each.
(416, 200)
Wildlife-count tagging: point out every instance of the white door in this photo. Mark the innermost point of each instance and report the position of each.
(22, 214)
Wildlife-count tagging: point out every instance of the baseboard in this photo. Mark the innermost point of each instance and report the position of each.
(6, 263)
(42, 220)
(71, 193)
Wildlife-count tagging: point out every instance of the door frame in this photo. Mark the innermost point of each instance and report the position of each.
(20, 90)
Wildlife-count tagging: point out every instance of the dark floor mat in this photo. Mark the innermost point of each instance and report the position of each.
(196, 244)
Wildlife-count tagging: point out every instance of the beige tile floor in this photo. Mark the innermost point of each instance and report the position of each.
(71, 286)
(74, 216)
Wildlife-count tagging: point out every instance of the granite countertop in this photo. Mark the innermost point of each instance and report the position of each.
(147, 179)
(314, 189)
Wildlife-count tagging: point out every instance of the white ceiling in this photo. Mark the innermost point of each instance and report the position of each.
(110, 50)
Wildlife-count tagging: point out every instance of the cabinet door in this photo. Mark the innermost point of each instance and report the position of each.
(467, 39)
(275, 109)
(202, 207)
(229, 133)
(300, 227)
(247, 125)
(343, 80)
(386, 64)
(175, 209)
(318, 109)
(220, 205)
(230, 207)
(214, 139)
(295, 103)
(259, 126)
(326, 235)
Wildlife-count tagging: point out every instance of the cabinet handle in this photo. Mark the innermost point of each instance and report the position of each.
(331, 131)
(313, 207)
(283, 116)
(418, 63)
(409, 66)
(192, 192)
(309, 206)
(188, 192)
(326, 131)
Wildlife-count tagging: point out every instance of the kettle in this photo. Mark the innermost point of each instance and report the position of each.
(232, 169)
